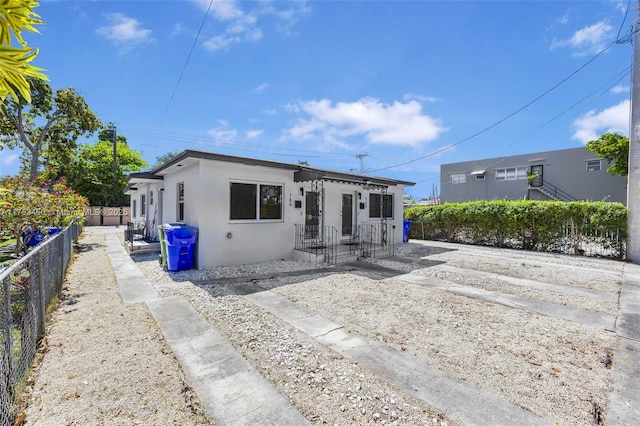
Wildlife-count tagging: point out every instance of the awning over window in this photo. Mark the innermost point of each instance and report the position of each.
(478, 172)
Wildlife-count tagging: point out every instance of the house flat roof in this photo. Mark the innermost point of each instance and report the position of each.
(302, 172)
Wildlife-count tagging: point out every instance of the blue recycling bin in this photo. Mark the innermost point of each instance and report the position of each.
(34, 237)
(53, 230)
(405, 233)
(180, 241)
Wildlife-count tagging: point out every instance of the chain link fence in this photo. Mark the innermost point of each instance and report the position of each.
(27, 289)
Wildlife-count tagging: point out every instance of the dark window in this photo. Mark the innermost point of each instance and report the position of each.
(180, 209)
(592, 165)
(142, 205)
(135, 209)
(243, 201)
(375, 208)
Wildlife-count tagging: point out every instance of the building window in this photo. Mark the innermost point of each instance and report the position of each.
(458, 178)
(135, 208)
(592, 165)
(512, 173)
(375, 208)
(479, 177)
(250, 201)
(180, 200)
(142, 205)
(270, 202)
(150, 198)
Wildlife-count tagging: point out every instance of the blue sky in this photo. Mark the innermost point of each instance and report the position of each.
(329, 81)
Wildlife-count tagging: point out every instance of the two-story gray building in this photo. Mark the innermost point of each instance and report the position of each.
(564, 175)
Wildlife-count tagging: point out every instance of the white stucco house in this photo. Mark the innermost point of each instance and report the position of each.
(248, 210)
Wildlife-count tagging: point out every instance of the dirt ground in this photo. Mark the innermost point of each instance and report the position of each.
(107, 363)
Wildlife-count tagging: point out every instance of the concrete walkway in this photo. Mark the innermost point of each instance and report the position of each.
(624, 402)
(234, 393)
(230, 389)
(456, 398)
(593, 319)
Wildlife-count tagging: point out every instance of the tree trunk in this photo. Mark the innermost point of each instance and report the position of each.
(33, 170)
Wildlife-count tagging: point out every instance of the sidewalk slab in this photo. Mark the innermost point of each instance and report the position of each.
(222, 378)
(593, 319)
(134, 286)
(624, 407)
(455, 398)
(604, 296)
(230, 389)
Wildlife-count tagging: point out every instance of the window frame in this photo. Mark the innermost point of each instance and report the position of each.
(143, 210)
(374, 206)
(267, 206)
(588, 169)
(180, 202)
(458, 178)
(511, 173)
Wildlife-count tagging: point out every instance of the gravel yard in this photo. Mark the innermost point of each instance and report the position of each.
(555, 368)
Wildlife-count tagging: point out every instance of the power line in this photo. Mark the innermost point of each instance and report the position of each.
(209, 141)
(609, 84)
(508, 116)
(624, 19)
(184, 67)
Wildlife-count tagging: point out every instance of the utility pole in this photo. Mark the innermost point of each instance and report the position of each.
(361, 157)
(112, 133)
(633, 179)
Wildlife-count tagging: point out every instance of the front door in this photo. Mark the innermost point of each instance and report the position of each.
(347, 214)
(537, 181)
(312, 214)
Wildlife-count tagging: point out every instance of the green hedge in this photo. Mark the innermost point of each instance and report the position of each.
(556, 226)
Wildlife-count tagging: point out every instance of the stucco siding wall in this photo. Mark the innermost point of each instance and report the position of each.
(224, 241)
(189, 176)
(333, 207)
(564, 169)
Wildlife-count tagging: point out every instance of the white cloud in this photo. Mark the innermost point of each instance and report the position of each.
(397, 124)
(591, 39)
(593, 124)
(8, 158)
(245, 25)
(564, 19)
(125, 32)
(253, 134)
(287, 17)
(621, 5)
(620, 89)
(223, 135)
(261, 88)
(420, 98)
(270, 111)
(178, 29)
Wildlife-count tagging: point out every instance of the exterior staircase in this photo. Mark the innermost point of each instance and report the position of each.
(552, 192)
